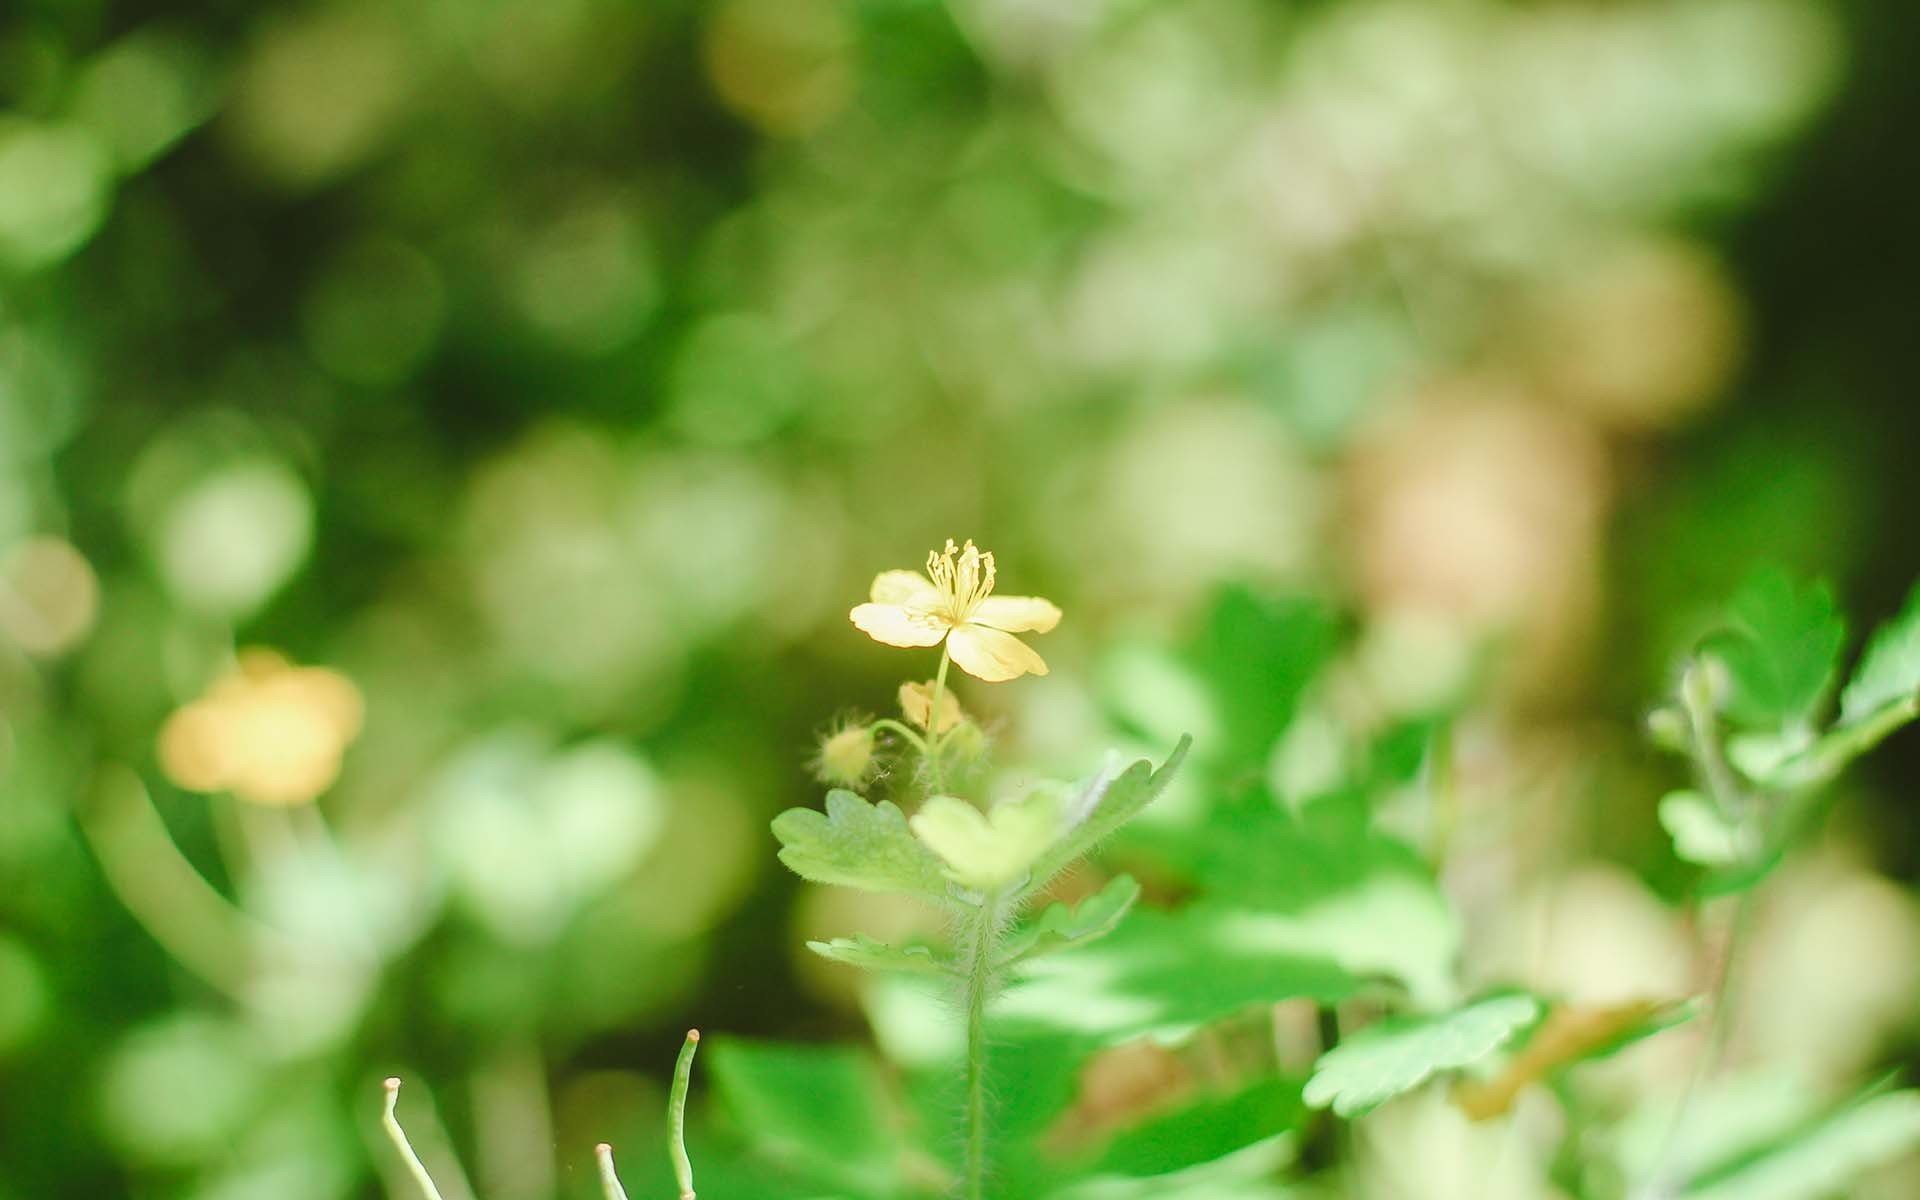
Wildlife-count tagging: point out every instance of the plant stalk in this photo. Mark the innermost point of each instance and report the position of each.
(979, 983)
(934, 735)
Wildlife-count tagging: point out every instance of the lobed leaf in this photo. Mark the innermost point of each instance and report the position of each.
(868, 954)
(1399, 1054)
(1780, 651)
(1889, 671)
(1701, 834)
(859, 845)
(1570, 1035)
(1059, 927)
(1106, 807)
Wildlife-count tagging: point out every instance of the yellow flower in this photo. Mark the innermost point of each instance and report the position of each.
(954, 602)
(269, 732)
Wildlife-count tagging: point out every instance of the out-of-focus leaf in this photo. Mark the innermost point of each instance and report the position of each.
(1206, 1131)
(1820, 1158)
(1059, 926)
(859, 845)
(1780, 650)
(863, 951)
(1700, 833)
(819, 1110)
(1399, 1054)
(1101, 810)
(1259, 655)
(1889, 671)
(1568, 1036)
(1339, 891)
(1163, 973)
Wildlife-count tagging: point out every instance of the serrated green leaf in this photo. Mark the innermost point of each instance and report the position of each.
(1889, 671)
(1780, 651)
(1399, 1054)
(1059, 926)
(868, 954)
(1819, 1159)
(859, 845)
(1700, 833)
(1104, 807)
(987, 851)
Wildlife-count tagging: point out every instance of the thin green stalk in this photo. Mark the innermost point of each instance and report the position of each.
(609, 1181)
(979, 983)
(677, 1117)
(904, 730)
(399, 1138)
(934, 733)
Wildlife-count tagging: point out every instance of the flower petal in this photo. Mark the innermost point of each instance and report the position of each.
(897, 625)
(987, 653)
(1017, 614)
(910, 589)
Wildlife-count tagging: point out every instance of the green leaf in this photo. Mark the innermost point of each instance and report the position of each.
(987, 851)
(1819, 1158)
(1260, 654)
(1059, 927)
(1104, 807)
(1399, 1054)
(859, 845)
(1206, 1130)
(1780, 651)
(821, 1111)
(1700, 833)
(862, 951)
(1889, 671)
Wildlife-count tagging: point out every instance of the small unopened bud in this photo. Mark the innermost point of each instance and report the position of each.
(846, 757)
(1668, 728)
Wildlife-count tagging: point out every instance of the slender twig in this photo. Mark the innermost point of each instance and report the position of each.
(677, 1116)
(400, 1143)
(609, 1182)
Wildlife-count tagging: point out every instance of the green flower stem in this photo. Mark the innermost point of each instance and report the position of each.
(934, 733)
(904, 730)
(983, 936)
(1824, 759)
(609, 1180)
(399, 1138)
(677, 1117)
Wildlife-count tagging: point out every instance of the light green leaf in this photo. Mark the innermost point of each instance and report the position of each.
(862, 951)
(1700, 833)
(1780, 650)
(1889, 671)
(1399, 1054)
(987, 851)
(1104, 807)
(1821, 1158)
(859, 845)
(1059, 927)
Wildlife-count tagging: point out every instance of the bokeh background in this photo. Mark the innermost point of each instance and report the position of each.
(529, 388)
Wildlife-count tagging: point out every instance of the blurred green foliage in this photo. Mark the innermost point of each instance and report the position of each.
(1388, 391)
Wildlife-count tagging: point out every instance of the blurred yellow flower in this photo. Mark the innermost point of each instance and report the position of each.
(267, 731)
(953, 602)
(916, 701)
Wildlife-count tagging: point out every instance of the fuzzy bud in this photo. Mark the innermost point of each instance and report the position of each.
(846, 757)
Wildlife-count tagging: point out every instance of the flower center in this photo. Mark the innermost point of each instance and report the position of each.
(964, 577)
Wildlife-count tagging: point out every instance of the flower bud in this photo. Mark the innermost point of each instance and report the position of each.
(966, 740)
(846, 757)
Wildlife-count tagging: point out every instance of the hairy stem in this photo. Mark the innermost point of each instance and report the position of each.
(934, 733)
(984, 933)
